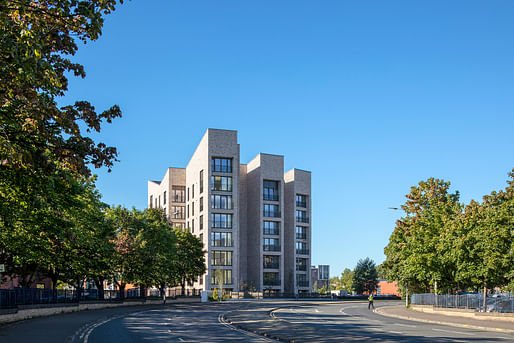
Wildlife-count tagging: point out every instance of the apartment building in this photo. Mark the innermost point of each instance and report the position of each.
(253, 219)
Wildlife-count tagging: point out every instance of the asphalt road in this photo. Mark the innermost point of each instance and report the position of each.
(234, 321)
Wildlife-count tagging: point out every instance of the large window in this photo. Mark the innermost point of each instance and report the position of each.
(271, 279)
(221, 201)
(221, 239)
(301, 216)
(271, 262)
(301, 232)
(271, 228)
(177, 193)
(301, 200)
(201, 181)
(221, 258)
(151, 201)
(164, 198)
(221, 165)
(177, 212)
(227, 277)
(271, 211)
(201, 204)
(221, 220)
(271, 244)
(221, 183)
(302, 248)
(270, 189)
(201, 223)
(301, 264)
(301, 280)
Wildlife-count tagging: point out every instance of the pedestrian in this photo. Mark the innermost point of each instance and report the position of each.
(370, 299)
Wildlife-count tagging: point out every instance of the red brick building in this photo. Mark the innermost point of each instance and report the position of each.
(387, 288)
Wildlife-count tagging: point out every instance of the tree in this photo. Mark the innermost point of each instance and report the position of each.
(335, 283)
(413, 254)
(43, 150)
(190, 258)
(365, 278)
(347, 280)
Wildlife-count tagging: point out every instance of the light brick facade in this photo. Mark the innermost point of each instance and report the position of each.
(253, 219)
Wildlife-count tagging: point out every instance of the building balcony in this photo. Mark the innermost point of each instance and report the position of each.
(271, 282)
(271, 247)
(270, 197)
(272, 214)
(301, 204)
(272, 266)
(301, 235)
(302, 219)
(301, 268)
(302, 283)
(302, 251)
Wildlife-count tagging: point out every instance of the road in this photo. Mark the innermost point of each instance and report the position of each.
(214, 322)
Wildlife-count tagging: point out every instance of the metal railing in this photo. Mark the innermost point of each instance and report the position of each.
(302, 251)
(301, 204)
(495, 303)
(271, 247)
(271, 213)
(302, 219)
(270, 197)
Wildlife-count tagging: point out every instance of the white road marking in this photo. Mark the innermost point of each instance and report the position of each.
(316, 310)
(221, 319)
(396, 332)
(180, 339)
(459, 332)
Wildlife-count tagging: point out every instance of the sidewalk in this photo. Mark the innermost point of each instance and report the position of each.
(482, 324)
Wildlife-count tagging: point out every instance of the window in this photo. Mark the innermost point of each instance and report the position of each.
(221, 220)
(301, 232)
(301, 264)
(177, 212)
(301, 216)
(227, 277)
(193, 191)
(221, 183)
(187, 193)
(192, 225)
(271, 211)
(221, 201)
(151, 201)
(192, 209)
(201, 181)
(270, 189)
(221, 239)
(221, 258)
(187, 213)
(222, 165)
(177, 193)
(201, 204)
(155, 202)
(159, 201)
(201, 237)
(271, 244)
(271, 279)
(271, 228)
(271, 262)
(301, 200)
(301, 280)
(164, 198)
(302, 248)
(200, 280)
(201, 223)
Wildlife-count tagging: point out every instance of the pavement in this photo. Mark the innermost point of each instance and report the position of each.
(402, 312)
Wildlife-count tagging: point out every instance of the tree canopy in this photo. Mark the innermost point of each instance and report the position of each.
(365, 276)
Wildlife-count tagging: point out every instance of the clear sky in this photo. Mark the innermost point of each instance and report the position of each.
(371, 96)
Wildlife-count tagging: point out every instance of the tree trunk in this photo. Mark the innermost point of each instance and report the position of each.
(99, 282)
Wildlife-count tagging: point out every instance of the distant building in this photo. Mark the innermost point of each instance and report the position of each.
(387, 288)
(253, 219)
(321, 276)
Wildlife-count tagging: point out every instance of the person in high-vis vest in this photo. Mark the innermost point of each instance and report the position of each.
(370, 304)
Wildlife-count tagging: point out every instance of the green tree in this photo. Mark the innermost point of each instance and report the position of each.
(190, 258)
(43, 149)
(347, 280)
(335, 283)
(365, 278)
(413, 254)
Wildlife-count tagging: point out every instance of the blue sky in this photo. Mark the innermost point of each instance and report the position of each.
(371, 96)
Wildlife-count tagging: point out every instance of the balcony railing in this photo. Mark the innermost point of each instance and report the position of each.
(301, 204)
(270, 197)
(274, 214)
(302, 283)
(301, 235)
(301, 267)
(271, 282)
(271, 247)
(302, 251)
(273, 232)
(302, 219)
(271, 266)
